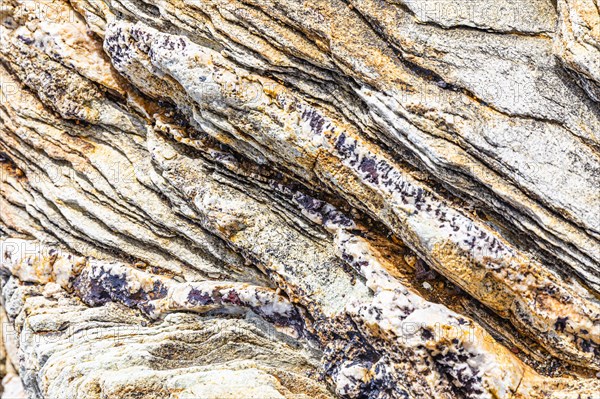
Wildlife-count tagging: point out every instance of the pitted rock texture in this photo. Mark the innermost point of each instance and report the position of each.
(300, 199)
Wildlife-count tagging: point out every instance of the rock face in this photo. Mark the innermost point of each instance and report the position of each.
(300, 199)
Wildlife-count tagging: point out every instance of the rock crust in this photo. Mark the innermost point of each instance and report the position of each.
(300, 199)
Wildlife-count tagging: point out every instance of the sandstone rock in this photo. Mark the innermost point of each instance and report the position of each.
(576, 43)
(243, 199)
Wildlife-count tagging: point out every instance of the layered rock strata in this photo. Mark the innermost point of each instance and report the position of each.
(355, 199)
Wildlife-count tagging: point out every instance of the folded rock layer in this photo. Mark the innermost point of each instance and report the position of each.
(300, 199)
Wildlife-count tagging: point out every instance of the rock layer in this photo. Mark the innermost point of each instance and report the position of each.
(399, 199)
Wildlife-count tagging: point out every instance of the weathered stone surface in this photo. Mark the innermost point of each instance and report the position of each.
(300, 199)
(577, 43)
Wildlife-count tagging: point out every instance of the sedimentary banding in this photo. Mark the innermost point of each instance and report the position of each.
(339, 198)
(458, 245)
